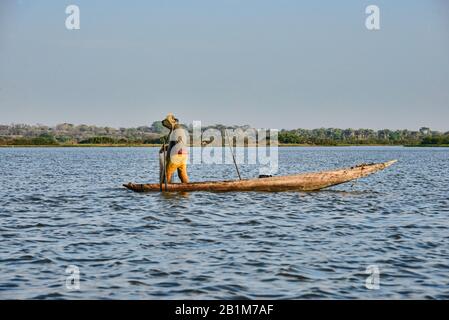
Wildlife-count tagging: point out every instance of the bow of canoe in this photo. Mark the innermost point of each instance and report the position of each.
(300, 182)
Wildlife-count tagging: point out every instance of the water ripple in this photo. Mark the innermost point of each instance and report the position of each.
(65, 207)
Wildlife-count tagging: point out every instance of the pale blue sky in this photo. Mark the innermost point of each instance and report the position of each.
(274, 64)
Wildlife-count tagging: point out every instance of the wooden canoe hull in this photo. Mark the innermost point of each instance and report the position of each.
(300, 182)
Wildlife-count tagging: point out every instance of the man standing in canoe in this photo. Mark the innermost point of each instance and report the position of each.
(176, 151)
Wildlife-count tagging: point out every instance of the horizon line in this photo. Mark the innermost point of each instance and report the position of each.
(221, 124)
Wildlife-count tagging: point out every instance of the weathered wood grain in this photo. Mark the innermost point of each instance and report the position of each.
(300, 182)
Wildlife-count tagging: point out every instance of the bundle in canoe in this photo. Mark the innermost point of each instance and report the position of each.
(300, 182)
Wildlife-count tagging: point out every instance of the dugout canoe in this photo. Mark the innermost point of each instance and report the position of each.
(299, 182)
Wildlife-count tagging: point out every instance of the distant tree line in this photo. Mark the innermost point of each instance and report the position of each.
(69, 134)
(436, 140)
(332, 136)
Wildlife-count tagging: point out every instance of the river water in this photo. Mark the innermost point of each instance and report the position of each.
(63, 207)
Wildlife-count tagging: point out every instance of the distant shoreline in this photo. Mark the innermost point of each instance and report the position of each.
(83, 146)
(160, 145)
(70, 135)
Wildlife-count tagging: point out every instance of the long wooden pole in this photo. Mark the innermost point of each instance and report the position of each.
(233, 156)
(164, 163)
(161, 173)
(165, 167)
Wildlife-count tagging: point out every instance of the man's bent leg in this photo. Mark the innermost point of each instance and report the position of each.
(171, 168)
(182, 174)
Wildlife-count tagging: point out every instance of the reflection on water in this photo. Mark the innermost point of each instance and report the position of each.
(66, 206)
(175, 195)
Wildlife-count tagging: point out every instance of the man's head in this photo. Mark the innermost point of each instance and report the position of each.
(170, 121)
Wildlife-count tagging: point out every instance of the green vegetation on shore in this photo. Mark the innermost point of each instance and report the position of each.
(361, 137)
(69, 135)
